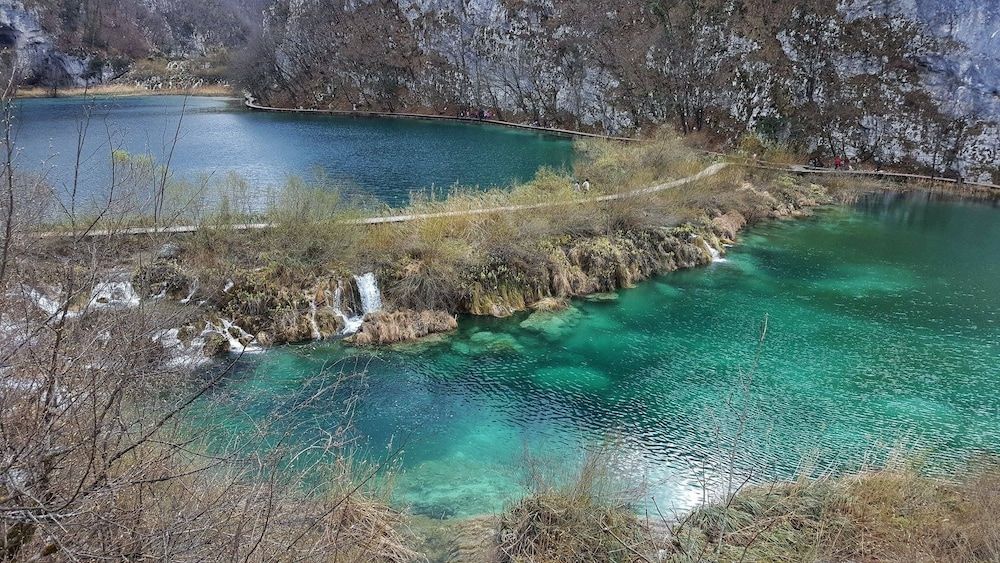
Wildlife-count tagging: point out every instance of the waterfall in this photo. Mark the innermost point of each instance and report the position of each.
(180, 355)
(313, 325)
(44, 302)
(190, 295)
(371, 299)
(713, 252)
(235, 345)
(114, 294)
(716, 255)
(351, 324)
(105, 295)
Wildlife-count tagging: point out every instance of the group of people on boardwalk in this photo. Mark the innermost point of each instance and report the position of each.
(842, 163)
(470, 113)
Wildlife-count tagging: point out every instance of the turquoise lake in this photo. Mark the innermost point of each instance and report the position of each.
(384, 158)
(883, 333)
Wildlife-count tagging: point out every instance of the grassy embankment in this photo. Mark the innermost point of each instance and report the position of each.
(892, 515)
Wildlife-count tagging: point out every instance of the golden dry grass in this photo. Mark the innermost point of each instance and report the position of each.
(890, 516)
(124, 90)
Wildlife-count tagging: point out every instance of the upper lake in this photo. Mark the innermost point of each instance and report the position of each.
(381, 157)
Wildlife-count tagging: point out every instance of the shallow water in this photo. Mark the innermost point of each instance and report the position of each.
(883, 331)
(386, 158)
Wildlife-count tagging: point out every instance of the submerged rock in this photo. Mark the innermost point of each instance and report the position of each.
(487, 342)
(383, 327)
(552, 324)
(601, 297)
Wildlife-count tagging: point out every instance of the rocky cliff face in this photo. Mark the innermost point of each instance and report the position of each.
(972, 70)
(872, 79)
(72, 43)
(34, 51)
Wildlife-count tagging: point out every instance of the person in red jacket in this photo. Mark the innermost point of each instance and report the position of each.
(837, 162)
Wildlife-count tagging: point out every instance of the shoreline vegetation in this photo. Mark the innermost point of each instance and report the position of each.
(430, 271)
(893, 515)
(124, 90)
(123, 315)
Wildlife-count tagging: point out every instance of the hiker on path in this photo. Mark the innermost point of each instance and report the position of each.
(576, 187)
(837, 163)
(586, 186)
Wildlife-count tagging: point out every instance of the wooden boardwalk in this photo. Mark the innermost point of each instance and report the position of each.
(432, 117)
(386, 219)
(709, 171)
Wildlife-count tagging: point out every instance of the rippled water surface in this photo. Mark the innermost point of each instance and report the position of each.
(386, 158)
(883, 330)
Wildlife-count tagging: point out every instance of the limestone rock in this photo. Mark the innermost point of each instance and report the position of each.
(401, 326)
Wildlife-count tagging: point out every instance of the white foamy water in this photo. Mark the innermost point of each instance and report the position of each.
(114, 294)
(44, 302)
(351, 324)
(226, 328)
(713, 252)
(371, 298)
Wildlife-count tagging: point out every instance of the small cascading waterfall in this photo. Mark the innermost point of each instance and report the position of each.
(371, 298)
(713, 252)
(44, 302)
(351, 324)
(226, 328)
(190, 295)
(114, 294)
(313, 325)
(105, 295)
(371, 301)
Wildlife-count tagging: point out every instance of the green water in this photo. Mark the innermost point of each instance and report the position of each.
(883, 332)
(384, 158)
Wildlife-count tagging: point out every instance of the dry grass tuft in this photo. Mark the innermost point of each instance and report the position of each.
(582, 521)
(896, 516)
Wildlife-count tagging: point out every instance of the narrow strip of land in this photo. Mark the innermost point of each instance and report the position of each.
(709, 171)
(179, 229)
